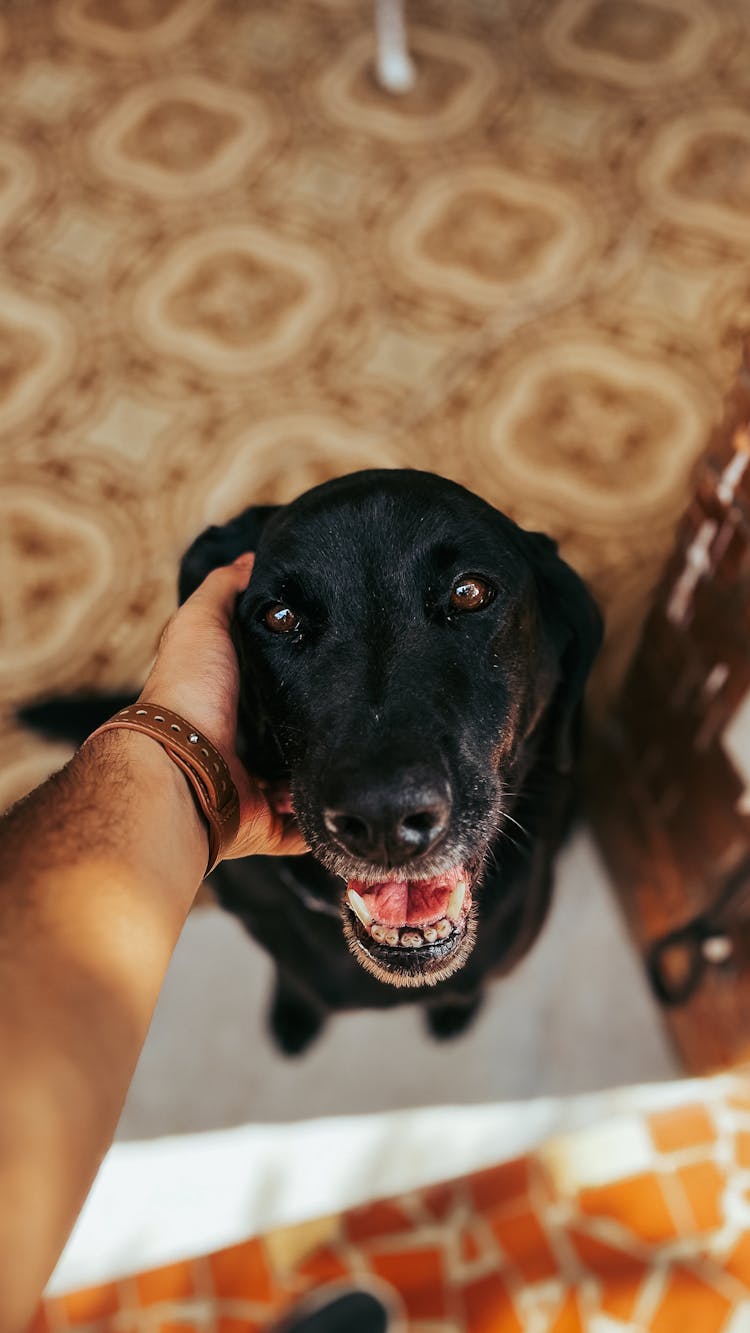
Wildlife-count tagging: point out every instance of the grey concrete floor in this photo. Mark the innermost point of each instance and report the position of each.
(575, 1016)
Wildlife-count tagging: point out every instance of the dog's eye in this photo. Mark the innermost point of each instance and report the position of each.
(281, 619)
(469, 593)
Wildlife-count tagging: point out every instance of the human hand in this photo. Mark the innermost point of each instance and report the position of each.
(196, 674)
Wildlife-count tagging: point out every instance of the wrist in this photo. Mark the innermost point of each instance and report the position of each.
(157, 789)
(204, 766)
(214, 720)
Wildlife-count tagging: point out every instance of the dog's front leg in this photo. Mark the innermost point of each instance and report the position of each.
(452, 1017)
(294, 1019)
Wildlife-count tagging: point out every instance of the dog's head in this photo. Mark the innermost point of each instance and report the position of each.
(407, 651)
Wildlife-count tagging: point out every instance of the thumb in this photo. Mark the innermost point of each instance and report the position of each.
(218, 591)
(243, 562)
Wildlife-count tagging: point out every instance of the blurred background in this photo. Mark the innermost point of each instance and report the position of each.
(234, 266)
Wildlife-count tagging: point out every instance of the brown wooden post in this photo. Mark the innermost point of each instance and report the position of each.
(669, 770)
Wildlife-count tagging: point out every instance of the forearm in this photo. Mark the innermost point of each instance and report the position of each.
(97, 872)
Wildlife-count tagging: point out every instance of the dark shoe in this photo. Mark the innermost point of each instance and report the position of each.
(346, 1312)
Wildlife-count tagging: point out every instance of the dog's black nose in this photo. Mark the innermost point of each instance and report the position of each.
(389, 823)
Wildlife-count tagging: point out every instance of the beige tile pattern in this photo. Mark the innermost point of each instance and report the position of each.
(232, 267)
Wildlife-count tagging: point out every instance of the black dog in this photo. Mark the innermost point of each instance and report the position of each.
(412, 667)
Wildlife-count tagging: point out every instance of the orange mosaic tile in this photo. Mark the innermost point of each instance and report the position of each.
(176, 1326)
(738, 1261)
(681, 1127)
(165, 1284)
(690, 1305)
(703, 1184)
(440, 1200)
(83, 1307)
(569, 1318)
(381, 1218)
(541, 1182)
(524, 1241)
(637, 1203)
(323, 1265)
(742, 1148)
(243, 1271)
(487, 1307)
(500, 1186)
(620, 1274)
(231, 1324)
(469, 1247)
(419, 1276)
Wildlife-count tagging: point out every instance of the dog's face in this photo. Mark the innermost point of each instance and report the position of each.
(406, 650)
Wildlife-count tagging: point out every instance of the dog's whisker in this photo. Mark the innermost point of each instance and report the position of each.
(505, 815)
(513, 841)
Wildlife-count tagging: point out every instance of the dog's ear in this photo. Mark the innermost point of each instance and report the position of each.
(221, 545)
(572, 622)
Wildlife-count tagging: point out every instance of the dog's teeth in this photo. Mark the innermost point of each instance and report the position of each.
(430, 934)
(443, 929)
(456, 900)
(392, 937)
(411, 939)
(378, 933)
(359, 907)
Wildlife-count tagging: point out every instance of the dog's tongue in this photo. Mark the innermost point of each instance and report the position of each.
(398, 902)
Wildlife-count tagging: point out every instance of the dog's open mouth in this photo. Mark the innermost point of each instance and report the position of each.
(411, 932)
(406, 932)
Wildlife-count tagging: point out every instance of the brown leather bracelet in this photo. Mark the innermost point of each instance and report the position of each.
(204, 767)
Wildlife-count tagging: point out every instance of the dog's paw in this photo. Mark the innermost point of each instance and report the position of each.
(451, 1020)
(294, 1023)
